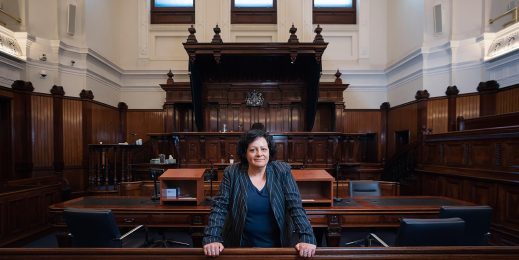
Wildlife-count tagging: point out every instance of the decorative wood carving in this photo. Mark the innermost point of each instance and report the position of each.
(316, 150)
(293, 37)
(338, 79)
(452, 91)
(421, 94)
(318, 37)
(287, 74)
(170, 78)
(57, 91)
(217, 39)
(21, 85)
(86, 94)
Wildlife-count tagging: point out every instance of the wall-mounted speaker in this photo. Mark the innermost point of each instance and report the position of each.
(71, 25)
(437, 16)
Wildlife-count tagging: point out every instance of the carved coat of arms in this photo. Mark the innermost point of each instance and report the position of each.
(254, 99)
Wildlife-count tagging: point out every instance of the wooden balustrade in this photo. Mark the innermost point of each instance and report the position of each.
(311, 149)
(429, 253)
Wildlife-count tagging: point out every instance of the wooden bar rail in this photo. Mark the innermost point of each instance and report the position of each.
(311, 149)
(429, 253)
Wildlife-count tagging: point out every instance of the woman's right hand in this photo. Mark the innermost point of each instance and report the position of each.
(213, 249)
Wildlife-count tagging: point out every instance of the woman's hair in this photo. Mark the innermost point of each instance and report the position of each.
(258, 125)
(249, 137)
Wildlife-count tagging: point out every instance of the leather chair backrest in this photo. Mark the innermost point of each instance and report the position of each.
(477, 222)
(364, 188)
(92, 228)
(430, 232)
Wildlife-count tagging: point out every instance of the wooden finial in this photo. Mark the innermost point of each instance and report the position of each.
(170, 78)
(191, 38)
(293, 36)
(217, 39)
(318, 37)
(338, 80)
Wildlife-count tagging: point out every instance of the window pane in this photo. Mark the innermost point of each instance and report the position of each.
(253, 3)
(173, 3)
(333, 3)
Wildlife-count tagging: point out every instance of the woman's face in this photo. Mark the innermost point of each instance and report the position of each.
(258, 153)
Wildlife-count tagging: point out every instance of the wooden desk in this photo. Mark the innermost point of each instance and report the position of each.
(188, 184)
(315, 186)
(351, 212)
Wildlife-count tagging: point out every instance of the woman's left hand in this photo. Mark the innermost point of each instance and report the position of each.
(305, 249)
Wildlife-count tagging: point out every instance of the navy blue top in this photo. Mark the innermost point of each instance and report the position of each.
(260, 226)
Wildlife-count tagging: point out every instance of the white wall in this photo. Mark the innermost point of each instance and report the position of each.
(102, 28)
(404, 28)
(388, 55)
(42, 18)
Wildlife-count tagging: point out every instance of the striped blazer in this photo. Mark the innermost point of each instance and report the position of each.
(227, 218)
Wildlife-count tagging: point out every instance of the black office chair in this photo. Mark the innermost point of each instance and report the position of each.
(426, 232)
(477, 222)
(364, 188)
(98, 228)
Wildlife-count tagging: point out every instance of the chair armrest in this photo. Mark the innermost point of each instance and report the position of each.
(372, 235)
(131, 231)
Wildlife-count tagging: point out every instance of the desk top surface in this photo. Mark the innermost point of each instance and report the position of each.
(312, 175)
(389, 203)
(183, 174)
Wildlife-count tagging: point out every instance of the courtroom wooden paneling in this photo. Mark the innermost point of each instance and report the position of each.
(500, 120)
(480, 166)
(226, 105)
(362, 121)
(401, 118)
(365, 121)
(24, 210)
(6, 141)
(467, 106)
(103, 127)
(437, 112)
(22, 129)
(141, 122)
(507, 100)
(73, 133)
(42, 132)
(317, 150)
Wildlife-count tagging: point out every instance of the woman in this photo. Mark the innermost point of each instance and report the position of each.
(258, 204)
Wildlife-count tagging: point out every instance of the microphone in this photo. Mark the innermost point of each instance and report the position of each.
(211, 174)
(337, 172)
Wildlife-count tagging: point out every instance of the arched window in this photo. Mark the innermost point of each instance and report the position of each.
(334, 12)
(172, 11)
(253, 12)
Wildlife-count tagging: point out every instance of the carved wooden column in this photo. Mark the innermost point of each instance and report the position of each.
(22, 118)
(384, 111)
(487, 97)
(123, 111)
(452, 95)
(421, 127)
(86, 106)
(169, 122)
(178, 106)
(57, 109)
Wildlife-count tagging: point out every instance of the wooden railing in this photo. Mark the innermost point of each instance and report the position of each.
(430, 253)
